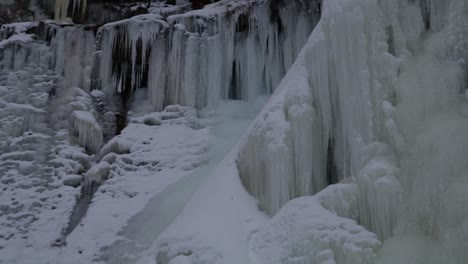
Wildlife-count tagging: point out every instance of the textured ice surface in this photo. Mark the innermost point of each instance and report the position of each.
(89, 131)
(304, 232)
(325, 110)
(39, 162)
(230, 50)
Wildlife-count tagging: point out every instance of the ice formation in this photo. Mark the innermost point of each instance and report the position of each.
(89, 131)
(61, 8)
(370, 119)
(37, 153)
(196, 59)
(355, 105)
(326, 109)
(304, 232)
(96, 175)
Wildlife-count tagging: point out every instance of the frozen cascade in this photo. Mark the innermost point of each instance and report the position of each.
(331, 108)
(73, 47)
(199, 58)
(374, 108)
(432, 227)
(356, 106)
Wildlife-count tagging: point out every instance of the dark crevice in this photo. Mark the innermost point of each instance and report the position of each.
(332, 174)
(199, 4)
(242, 23)
(390, 40)
(233, 94)
(120, 122)
(426, 13)
(79, 211)
(316, 7)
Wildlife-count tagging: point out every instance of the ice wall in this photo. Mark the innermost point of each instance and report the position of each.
(333, 115)
(326, 110)
(235, 50)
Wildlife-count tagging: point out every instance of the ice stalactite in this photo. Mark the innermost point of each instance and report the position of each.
(73, 47)
(62, 6)
(123, 52)
(199, 58)
(157, 77)
(89, 131)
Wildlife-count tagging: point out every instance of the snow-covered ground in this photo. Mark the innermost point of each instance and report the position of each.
(153, 169)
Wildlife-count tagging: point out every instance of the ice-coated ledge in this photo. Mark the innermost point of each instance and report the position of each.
(304, 232)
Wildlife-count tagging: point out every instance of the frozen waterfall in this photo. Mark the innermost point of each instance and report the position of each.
(141, 138)
(198, 58)
(375, 98)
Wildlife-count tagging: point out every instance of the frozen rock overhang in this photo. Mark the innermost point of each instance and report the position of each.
(228, 50)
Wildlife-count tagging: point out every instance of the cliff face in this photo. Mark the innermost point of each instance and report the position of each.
(15, 11)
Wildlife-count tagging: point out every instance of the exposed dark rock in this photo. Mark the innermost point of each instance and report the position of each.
(199, 4)
(15, 11)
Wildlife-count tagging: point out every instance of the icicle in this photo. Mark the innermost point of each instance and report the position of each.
(61, 8)
(176, 62)
(73, 47)
(157, 74)
(89, 131)
(198, 59)
(124, 48)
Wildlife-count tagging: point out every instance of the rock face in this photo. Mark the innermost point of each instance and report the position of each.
(198, 4)
(15, 11)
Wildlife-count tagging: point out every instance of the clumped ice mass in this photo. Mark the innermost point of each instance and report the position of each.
(253, 131)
